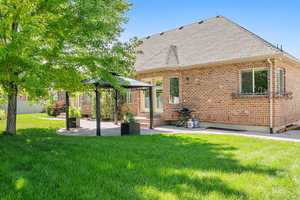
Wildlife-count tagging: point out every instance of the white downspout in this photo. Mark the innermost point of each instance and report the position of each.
(271, 94)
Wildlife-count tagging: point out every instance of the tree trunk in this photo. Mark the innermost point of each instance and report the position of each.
(12, 111)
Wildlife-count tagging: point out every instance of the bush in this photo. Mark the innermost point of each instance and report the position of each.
(107, 105)
(128, 117)
(56, 108)
(74, 113)
(2, 115)
(49, 109)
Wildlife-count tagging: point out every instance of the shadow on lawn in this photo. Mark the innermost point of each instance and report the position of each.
(33, 132)
(36, 131)
(179, 156)
(139, 167)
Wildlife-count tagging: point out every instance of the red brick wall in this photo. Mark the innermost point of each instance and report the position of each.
(208, 91)
(287, 110)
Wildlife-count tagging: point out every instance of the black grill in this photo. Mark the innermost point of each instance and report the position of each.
(184, 112)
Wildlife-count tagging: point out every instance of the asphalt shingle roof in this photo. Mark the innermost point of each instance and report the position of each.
(213, 40)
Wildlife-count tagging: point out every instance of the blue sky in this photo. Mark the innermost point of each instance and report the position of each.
(277, 21)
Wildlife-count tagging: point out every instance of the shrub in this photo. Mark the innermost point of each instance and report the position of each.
(74, 113)
(56, 108)
(59, 107)
(128, 117)
(2, 115)
(49, 109)
(107, 105)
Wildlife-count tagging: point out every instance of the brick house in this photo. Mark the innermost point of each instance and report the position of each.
(229, 76)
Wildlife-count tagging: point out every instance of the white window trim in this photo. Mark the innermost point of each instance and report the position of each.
(142, 95)
(253, 81)
(159, 110)
(86, 98)
(178, 90)
(278, 80)
(152, 81)
(129, 93)
(145, 109)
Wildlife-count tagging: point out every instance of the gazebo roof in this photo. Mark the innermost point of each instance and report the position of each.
(123, 81)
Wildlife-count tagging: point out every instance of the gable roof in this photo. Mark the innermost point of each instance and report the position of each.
(213, 40)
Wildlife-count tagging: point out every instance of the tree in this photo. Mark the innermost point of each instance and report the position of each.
(57, 43)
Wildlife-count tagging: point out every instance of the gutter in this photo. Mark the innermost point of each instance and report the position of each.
(271, 95)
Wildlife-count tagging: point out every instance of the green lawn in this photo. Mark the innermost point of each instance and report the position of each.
(38, 164)
(34, 121)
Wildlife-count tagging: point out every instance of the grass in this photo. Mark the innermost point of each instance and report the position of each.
(38, 120)
(39, 164)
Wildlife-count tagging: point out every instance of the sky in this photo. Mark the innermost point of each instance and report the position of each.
(277, 21)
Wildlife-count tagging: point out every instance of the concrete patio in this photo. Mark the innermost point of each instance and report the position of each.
(88, 128)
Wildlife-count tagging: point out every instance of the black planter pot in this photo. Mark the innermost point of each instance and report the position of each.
(130, 129)
(74, 122)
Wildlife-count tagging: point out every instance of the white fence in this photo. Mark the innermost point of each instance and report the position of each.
(26, 107)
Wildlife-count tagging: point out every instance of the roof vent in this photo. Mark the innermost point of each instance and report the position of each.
(180, 27)
(280, 48)
(172, 58)
(148, 37)
(161, 33)
(200, 22)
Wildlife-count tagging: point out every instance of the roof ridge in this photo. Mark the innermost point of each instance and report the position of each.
(173, 29)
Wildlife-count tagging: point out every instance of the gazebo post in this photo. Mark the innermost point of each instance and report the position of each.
(151, 107)
(67, 111)
(98, 111)
(116, 106)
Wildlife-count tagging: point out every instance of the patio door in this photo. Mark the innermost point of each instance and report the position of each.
(146, 101)
(157, 96)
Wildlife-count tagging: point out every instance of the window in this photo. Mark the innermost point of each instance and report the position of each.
(22, 97)
(129, 97)
(55, 96)
(87, 99)
(280, 81)
(174, 91)
(146, 99)
(61, 96)
(159, 95)
(254, 81)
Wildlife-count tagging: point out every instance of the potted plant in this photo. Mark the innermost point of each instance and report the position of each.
(74, 118)
(130, 126)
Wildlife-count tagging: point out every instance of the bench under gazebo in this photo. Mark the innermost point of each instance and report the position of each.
(121, 81)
